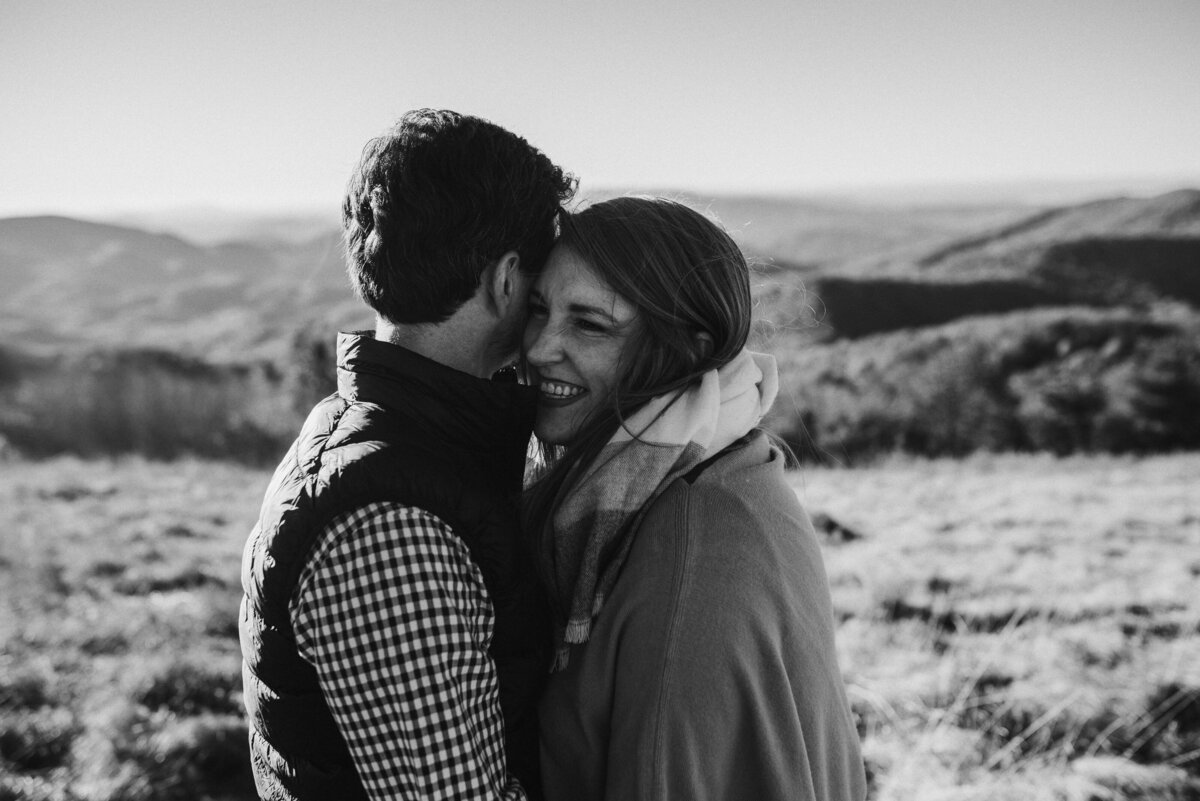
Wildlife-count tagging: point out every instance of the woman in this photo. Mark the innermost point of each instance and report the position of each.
(695, 631)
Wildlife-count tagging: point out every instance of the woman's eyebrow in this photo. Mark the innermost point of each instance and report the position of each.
(576, 307)
(584, 308)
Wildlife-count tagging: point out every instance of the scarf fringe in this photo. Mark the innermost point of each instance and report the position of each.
(562, 656)
(577, 631)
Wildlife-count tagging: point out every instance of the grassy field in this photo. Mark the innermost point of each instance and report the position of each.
(1020, 627)
(120, 675)
(1011, 627)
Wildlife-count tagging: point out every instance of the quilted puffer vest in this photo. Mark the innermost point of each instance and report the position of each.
(405, 429)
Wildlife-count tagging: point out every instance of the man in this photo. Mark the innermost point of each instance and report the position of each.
(392, 631)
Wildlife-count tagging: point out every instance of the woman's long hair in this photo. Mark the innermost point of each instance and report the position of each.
(686, 277)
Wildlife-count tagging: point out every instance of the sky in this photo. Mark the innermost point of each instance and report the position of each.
(109, 107)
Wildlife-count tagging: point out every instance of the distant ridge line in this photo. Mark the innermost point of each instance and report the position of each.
(971, 243)
(1177, 212)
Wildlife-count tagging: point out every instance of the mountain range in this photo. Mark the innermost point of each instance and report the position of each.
(1111, 253)
(825, 269)
(933, 330)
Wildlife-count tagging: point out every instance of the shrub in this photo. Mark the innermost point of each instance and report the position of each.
(16, 787)
(187, 688)
(1166, 386)
(32, 740)
(23, 690)
(1167, 728)
(167, 579)
(310, 369)
(156, 403)
(187, 758)
(138, 754)
(1117, 778)
(1061, 380)
(1059, 409)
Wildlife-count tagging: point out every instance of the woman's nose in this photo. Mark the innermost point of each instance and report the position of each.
(541, 345)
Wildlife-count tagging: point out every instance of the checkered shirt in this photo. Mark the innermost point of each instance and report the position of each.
(392, 612)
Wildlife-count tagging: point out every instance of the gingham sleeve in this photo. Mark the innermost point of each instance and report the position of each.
(392, 612)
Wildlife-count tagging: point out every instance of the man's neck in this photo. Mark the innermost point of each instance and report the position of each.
(442, 343)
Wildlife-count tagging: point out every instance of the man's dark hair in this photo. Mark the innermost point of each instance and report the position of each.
(434, 201)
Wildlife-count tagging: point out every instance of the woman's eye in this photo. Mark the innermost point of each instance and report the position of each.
(536, 310)
(590, 327)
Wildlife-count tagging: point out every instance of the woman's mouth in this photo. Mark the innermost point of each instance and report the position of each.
(558, 393)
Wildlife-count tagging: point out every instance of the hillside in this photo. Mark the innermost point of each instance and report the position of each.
(832, 232)
(66, 282)
(1174, 215)
(1110, 253)
(71, 283)
(1061, 379)
(1075, 328)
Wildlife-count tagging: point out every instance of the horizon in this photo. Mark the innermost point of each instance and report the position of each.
(140, 106)
(1034, 193)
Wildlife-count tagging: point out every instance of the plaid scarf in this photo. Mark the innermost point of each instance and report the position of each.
(593, 523)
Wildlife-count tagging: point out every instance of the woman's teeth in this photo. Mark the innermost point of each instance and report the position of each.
(559, 389)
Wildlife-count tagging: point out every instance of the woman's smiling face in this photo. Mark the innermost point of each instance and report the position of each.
(574, 342)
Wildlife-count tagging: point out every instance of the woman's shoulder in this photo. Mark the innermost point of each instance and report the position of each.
(737, 515)
(741, 561)
(745, 486)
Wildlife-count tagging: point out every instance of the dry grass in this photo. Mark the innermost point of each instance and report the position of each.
(1021, 627)
(120, 675)
(1011, 627)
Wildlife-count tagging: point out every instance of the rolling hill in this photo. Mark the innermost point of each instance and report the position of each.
(1109, 253)
(69, 283)
(935, 330)
(1175, 215)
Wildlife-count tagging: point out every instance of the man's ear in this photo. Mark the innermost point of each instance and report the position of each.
(502, 282)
